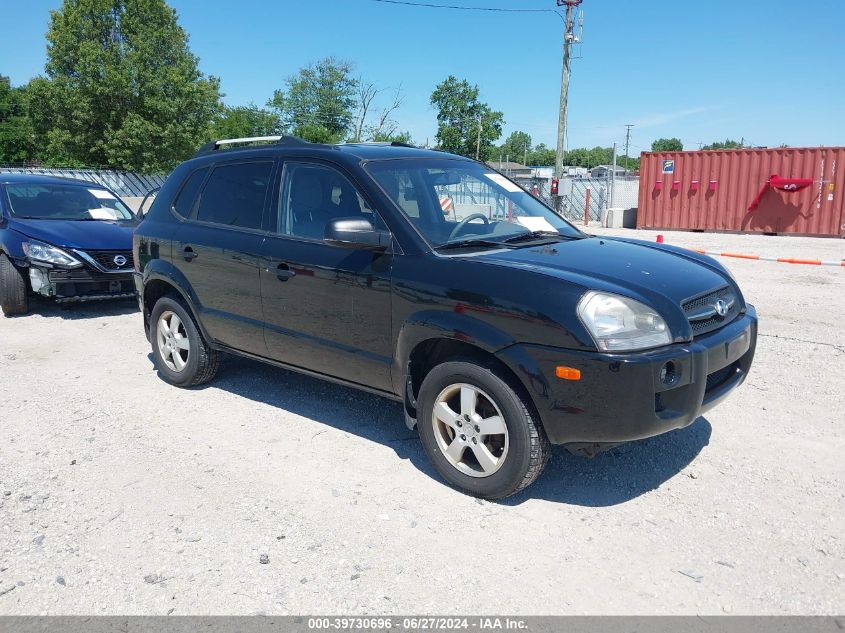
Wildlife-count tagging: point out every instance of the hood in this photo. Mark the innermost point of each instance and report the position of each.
(642, 270)
(93, 235)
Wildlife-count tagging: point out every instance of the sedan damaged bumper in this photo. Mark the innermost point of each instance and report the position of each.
(79, 284)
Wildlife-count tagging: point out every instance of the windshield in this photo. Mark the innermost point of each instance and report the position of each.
(458, 202)
(64, 202)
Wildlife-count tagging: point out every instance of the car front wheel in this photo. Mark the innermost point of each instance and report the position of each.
(480, 434)
(182, 356)
(13, 288)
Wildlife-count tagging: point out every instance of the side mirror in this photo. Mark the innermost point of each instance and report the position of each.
(356, 233)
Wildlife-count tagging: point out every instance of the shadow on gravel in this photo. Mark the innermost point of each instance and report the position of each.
(610, 478)
(620, 474)
(82, 310)
(369, 416)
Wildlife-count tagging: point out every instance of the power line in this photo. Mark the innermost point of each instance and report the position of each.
(429, 5)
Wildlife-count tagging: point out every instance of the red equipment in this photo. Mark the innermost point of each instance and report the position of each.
(788, 185)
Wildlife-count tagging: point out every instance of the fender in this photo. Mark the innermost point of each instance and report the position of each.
(443, 324)
(12, 245)
(528, 372)
(163, 270)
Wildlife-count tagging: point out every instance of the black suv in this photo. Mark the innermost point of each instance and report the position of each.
(433, 280)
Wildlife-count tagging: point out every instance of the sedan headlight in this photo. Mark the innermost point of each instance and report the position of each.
(41, 252)
(618, 323)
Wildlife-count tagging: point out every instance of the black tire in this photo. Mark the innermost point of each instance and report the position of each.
(202, 361)
(528, 447)
(13, 288)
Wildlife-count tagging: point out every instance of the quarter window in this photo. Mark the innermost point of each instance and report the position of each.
(184, 203)
(234, 194)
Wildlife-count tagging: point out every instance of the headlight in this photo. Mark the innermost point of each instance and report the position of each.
(622, 324)
(41, 252)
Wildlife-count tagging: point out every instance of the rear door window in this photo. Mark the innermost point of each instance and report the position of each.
(235, 194)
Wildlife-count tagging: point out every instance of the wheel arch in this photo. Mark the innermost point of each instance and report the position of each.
(432, 338)
(161, 278)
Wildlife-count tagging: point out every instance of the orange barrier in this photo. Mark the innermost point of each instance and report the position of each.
(782, 260)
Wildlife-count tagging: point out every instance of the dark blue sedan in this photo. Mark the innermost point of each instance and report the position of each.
(62, 239)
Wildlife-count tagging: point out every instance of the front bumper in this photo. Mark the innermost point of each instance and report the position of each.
(79, 284)
(622, 397)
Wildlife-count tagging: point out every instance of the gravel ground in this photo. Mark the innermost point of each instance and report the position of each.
(269, 492)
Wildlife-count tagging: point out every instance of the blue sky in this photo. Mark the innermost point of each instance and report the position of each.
(770, 71)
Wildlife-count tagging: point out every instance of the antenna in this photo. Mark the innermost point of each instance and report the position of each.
(576, 38)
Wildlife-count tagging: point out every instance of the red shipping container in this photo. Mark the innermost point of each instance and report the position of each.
(731, 181)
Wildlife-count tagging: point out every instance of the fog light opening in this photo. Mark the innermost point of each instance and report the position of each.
(670, 374)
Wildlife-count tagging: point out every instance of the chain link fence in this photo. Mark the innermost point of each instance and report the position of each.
(124, 183)
(573, 192)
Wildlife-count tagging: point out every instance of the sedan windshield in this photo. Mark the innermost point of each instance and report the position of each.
(462, 203)
(40, 201)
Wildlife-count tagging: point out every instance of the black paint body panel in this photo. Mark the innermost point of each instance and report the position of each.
(356, 316)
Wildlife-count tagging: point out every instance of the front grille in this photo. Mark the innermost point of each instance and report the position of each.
(702, 314)
(106, 259)
(720, 376)
(84, 275)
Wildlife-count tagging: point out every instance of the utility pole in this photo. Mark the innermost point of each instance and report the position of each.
(568, 38)
(628, 127)
(478, 143)
(613, 177)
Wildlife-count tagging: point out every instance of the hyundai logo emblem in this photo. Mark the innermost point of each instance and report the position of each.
(721, 308)
(120, 262)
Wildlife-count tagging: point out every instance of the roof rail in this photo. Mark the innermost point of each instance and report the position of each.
(382, 143)
(275, 140)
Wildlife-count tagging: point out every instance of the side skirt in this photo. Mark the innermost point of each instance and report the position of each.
(308, 372)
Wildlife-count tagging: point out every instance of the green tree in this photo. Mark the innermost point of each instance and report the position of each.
(517, 147)
(121, 88)
(542, 155)
(667, 145)
(245, 121)
(17, 138)
(631, 163)
(318, 101)
(727, 144)
(393, 137)
(459, 114)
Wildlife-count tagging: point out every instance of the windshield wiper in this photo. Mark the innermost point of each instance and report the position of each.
(469, 243)
(538, 235)
(97, 219)
(533, 235)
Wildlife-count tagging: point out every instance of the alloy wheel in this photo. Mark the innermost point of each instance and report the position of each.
(173, 344)
(470, 430)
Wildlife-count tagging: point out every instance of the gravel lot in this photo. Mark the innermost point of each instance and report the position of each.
(122, 495)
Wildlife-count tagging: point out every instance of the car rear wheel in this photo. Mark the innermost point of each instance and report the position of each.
(182, 356)
(13, 288)
(479, 433)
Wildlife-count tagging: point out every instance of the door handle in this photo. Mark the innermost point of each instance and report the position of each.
(189, 254)
(284, 272)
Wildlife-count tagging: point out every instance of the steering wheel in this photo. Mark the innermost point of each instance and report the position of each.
(459, 227)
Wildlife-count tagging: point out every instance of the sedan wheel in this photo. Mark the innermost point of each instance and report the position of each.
(173, 343)
(470, 430)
